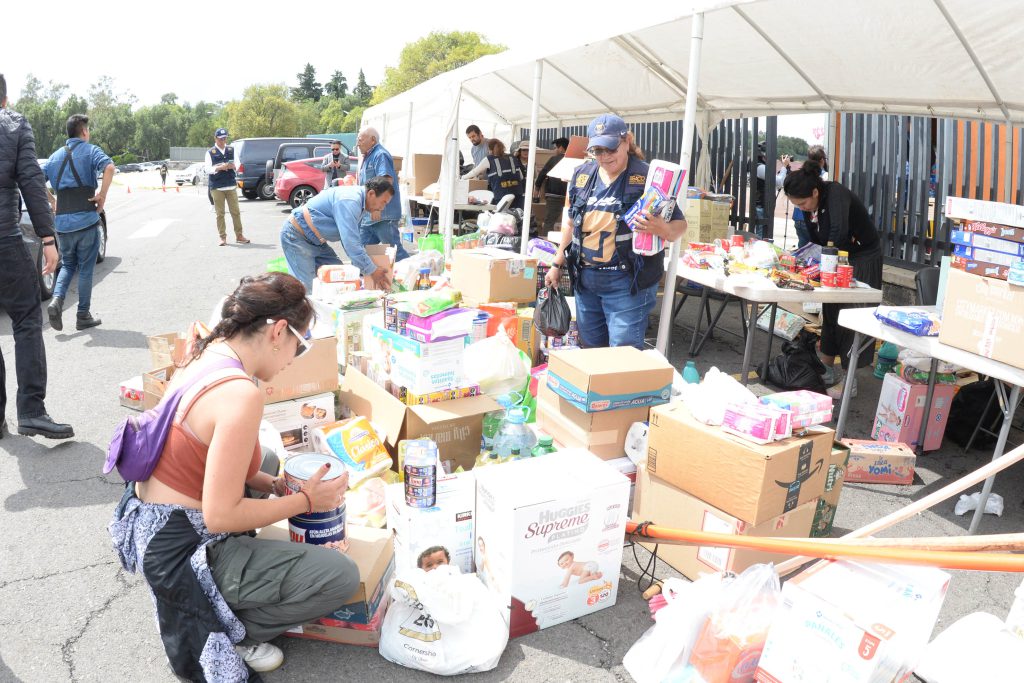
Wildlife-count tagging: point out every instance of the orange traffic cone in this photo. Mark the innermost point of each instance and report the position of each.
(177, 188)
(129, 189)
(163, 188)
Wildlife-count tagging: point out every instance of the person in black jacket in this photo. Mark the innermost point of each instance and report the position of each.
(554, 189)
(19, 281)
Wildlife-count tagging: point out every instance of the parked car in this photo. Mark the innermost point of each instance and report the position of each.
(131, 168)
(35, 247)
(297, 151)
(251, 156)
(192, 175)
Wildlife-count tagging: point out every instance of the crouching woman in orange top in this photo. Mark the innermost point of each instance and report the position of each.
(221, 594)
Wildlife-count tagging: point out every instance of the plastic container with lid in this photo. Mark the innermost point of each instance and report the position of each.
(514, 435)
(545, 445)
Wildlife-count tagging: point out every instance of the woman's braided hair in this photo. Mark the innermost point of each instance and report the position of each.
(274, 296)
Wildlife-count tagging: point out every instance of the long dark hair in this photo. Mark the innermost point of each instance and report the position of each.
(273, 296)
(803, 182)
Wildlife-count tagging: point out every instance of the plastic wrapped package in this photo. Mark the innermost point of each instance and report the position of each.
(922, 362)
(919, 323)
(407, 271)
(708, 400)
(427, 302)
(496, 365)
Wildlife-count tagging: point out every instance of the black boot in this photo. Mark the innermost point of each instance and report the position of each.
(44, 426)
(85, 321)
(54, 311)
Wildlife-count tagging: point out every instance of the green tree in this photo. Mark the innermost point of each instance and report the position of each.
(435, 54)
(168, 98)
(337, 87)
(159, 127)
(309, 88)
(201, 120)
(350, 124)
(263, 111)
(47, 108)
(111, 122)
(363, 91)
(794, 147)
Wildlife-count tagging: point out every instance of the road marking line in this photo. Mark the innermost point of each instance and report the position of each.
(152, 228)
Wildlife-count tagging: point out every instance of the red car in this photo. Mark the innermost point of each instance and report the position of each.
(300, 181)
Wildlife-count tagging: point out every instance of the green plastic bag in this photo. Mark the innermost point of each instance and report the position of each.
(432, 242)
(277, 265)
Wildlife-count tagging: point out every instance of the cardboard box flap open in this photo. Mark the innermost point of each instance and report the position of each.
(367, 398)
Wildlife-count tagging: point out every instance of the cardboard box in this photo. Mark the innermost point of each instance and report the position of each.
(901, 407)
(132, 393)
(549, 537)
(661, 503)
(595, 380)
(872, 462)
(424, 170)
(314, 373)
(980, 241)
(456, 426)
(166, 349)
(154, 385)
(383, 256)
(294, 420)
(345, 325)
(1004, 232)
(421, 367)
(448, 523)
(825, 513)
(603, 434)
(359, 620)
(490, 275)
(707, 218)
(854, 623)
(752, 482)
(1010, 215)
(986, 255)
(982, 268)
(984, 316)
(526, 336)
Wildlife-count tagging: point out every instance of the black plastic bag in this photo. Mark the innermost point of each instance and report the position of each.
(552, 316)
(506, 242)
(965, 412)
(798, 366)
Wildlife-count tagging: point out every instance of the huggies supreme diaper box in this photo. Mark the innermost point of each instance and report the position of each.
(549, 536)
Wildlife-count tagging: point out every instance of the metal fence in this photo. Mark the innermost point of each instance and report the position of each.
(901, 167)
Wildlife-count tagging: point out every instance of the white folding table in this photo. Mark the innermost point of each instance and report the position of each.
(752, 291)
(864, 324)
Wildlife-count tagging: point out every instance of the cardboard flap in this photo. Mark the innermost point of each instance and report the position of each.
(449, 410)
(367, 398)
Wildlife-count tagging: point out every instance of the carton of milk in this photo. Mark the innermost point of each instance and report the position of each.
(549, 535)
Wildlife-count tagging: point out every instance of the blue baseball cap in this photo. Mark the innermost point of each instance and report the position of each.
(221, 133)
(607, 130)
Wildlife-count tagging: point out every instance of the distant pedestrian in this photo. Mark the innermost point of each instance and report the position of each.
(502, 172)
(479, 142)
(220, 165)
(380, 227)
(19, 280)
(163, 174)
(72, 171)
(332, 164)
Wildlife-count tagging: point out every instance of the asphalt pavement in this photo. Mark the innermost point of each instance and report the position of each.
(69, 612)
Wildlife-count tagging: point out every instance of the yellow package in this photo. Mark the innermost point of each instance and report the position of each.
(356, 444)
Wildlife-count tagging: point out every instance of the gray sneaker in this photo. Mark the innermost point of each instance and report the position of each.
(262, 657)
(829, 378)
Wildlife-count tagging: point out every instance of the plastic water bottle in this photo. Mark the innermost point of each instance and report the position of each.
(545, 445)
(514, 435)
(487, 458)
(492, 422)
(690, 374)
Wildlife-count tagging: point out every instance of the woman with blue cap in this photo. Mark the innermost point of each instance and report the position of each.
(615, 288)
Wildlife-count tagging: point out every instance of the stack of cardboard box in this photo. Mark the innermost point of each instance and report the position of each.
(983, 309)
(700, 477)
(591, 397)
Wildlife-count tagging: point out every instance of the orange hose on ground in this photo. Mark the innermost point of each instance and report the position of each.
(987, 562)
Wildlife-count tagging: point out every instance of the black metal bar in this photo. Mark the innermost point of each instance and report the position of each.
(939, 246)
(900, 174)
(771, 132)
(979, 180)
(966, 180)
(994, 191)
(741, 161)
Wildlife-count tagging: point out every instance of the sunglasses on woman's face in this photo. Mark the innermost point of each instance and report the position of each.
(303, 347)
(601, 151)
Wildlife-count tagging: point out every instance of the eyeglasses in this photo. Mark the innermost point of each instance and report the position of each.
(601, 151)
(303, 346)
(335, 149)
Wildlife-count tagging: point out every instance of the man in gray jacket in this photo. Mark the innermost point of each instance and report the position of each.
(19, 281)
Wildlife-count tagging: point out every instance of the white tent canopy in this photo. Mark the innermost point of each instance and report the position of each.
(955, 58)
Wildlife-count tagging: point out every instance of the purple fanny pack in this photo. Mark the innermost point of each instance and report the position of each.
(139, 440)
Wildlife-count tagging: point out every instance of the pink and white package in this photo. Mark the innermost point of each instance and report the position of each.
(751, 421)
(784, 422)
(806, 406)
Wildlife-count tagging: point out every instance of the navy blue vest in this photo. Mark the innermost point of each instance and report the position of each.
(504, 177)
(222, 179)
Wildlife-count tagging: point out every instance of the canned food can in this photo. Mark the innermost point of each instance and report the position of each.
(420, 491)
(419, 482)
(736, 241)
(420, 470)
(844, 276)
(301, 466)
(318, 528)
(828, 279)
(420, 502)
(402, 319)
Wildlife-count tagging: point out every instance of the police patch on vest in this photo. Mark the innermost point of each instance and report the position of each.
(581, 179)
(637, 179)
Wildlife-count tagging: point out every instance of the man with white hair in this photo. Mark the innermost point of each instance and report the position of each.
(380, 227)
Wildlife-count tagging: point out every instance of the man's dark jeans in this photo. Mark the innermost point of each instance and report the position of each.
(19, 298)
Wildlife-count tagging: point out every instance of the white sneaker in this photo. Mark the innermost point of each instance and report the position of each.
(262, 657)
(836, 392)
(829, 378)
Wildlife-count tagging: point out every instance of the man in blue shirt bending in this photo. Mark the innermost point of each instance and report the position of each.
(72, 171)
(335, 215)
(380, 227)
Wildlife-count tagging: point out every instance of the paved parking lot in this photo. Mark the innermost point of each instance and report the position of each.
(67, 610)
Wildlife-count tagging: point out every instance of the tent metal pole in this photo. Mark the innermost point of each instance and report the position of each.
(531, 162)
(689, 120)
(447, 209)
(407, 161)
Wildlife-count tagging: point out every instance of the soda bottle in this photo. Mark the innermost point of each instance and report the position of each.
(514, 434)
(545, 445)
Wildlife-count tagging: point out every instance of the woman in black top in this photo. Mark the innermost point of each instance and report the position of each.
(837, 217)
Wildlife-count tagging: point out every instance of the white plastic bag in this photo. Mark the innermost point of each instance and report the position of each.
(407, 271)
(495, 364)
(443, 622)
(663, 651)
(918, 360)
(993, 505)
(974, 648)
(707, 401)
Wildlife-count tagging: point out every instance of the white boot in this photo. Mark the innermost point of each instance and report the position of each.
(261, 657)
